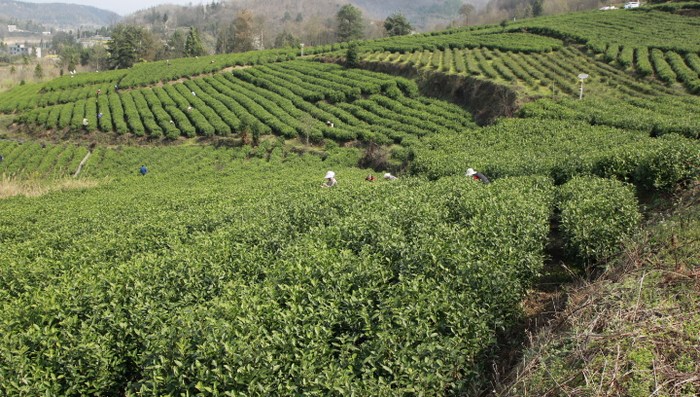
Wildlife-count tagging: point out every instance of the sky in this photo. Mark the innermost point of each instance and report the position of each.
(121, 7)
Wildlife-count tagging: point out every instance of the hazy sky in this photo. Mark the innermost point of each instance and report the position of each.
(122, 7)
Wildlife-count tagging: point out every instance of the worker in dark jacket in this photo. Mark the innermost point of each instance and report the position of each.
(477, 176)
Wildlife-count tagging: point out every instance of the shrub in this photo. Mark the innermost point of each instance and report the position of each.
(596, 215)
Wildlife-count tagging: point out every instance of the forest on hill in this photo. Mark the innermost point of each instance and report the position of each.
(55, 15)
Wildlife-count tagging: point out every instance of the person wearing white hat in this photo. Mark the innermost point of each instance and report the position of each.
(477, 176)
(389, 177)
(330, 179)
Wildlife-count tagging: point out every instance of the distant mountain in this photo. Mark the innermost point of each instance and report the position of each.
(57, 15)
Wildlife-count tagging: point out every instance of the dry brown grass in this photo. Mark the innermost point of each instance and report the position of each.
(10, 79)
(10, 186)
(635, 331)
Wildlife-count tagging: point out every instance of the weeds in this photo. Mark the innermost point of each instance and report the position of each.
(12, 186)
(635, 331)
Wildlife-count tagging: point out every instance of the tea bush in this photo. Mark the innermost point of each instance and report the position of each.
(596, 215)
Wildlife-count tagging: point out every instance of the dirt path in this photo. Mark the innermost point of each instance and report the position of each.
(82, 163)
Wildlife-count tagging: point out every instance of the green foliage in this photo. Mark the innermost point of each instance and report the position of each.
(465, 39)
(34, 160)
(654, 116)
(193, 45)
(637, 29)
(626, 56)
(642, 61)
(517, 147)
(537, 8)
(597, 214)
(351, 56)
(320, 286)
(661, 67)
(124, 46)
(397, 25)
(684, 73)
(350, 23)
(38, 71)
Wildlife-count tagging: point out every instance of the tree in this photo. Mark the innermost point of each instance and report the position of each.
(84, 56)
(60, 40)
(176, 45)
(350, 23)
(98, 57)
(537, 8)
(125, 46)
(38, 71)
(149, 46)
(352, 56)
(466, 10)
(286, 39)
(193, 45)
(243, 31)
(71, 64)
(397, 25)
(226, 39)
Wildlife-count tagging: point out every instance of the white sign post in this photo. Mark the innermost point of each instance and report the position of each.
(581, 77)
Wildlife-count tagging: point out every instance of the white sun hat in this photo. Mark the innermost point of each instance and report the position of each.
(330, 174)
(470, 172)
(387, 175)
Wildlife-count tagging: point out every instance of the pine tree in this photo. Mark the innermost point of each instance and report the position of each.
(193, 46)
(38, 71)
(122, 48)
(537, 8)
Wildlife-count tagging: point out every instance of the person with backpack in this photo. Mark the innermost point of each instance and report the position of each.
(143, 170)
(477, 176)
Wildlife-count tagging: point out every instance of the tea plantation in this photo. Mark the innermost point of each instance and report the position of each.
(228, 270)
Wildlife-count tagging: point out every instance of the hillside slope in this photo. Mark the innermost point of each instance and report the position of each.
(635, 331)
(228, 268)
(57, 15)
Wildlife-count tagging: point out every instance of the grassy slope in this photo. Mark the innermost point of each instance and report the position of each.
(635, 331)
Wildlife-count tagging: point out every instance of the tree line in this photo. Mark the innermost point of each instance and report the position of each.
(130, 44)
(159, 34)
